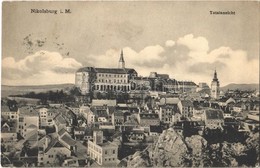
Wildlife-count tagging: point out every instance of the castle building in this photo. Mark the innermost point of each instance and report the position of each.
(215, 87)
(89, 79)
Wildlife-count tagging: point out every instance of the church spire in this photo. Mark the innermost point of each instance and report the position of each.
(121, 60)
(215, 76)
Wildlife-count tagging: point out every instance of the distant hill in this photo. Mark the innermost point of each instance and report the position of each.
(18, 90)
(234, 86)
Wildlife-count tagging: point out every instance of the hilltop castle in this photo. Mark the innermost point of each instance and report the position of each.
(102, 79)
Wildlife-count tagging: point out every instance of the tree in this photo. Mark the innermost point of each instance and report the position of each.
(60, 158)
(12, 104)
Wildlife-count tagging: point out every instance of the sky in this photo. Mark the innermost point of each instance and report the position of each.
(181, 39)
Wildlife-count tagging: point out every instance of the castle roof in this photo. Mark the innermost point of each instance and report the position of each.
(107, 70)
(190, 83)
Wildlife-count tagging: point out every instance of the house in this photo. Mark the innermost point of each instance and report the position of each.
(28, 120)
(46, 117)
(214, 119)
(103, 152)
(186, 108)
(60, 122)
(117, 118)
(147, 119)
(79, 132)
(67, 141)
(87, 114)
(135, 135)
(132, 108)
(238, 107)
(226, 101)
(75, 109)
(50, 149)
(9, 113)
(168, 107)
(9, 132)
(101, 113)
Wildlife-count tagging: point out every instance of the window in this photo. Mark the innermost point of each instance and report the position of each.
(105, 151)
(114, 151)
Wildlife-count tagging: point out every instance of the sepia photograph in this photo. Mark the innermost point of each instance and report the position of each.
(130, 84)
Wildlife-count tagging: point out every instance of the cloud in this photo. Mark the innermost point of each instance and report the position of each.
(169, 43)
(188, 59)
(43, 67)
(199, 44)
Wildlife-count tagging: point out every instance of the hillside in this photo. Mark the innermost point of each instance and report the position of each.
(173, 150)
(18, 90)
(234, 86)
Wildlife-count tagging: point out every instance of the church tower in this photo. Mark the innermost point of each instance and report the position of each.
(121, 60)
(215, 87)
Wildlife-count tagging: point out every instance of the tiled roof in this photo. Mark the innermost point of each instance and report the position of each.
(115, 70)
(118, 113)
(28, 111)
(107, 70)
(149, 116)
(86, 69)
(68, 140)
(97, 102)
(155, 128)
(99, 112)
(79, 128)
(169, 101)
(53, 144)
(186, 103)
(32, 126)
(187, 83)
(166, 76)
(60, 119)
(61, 132)
(32, 135)
(214, 114)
